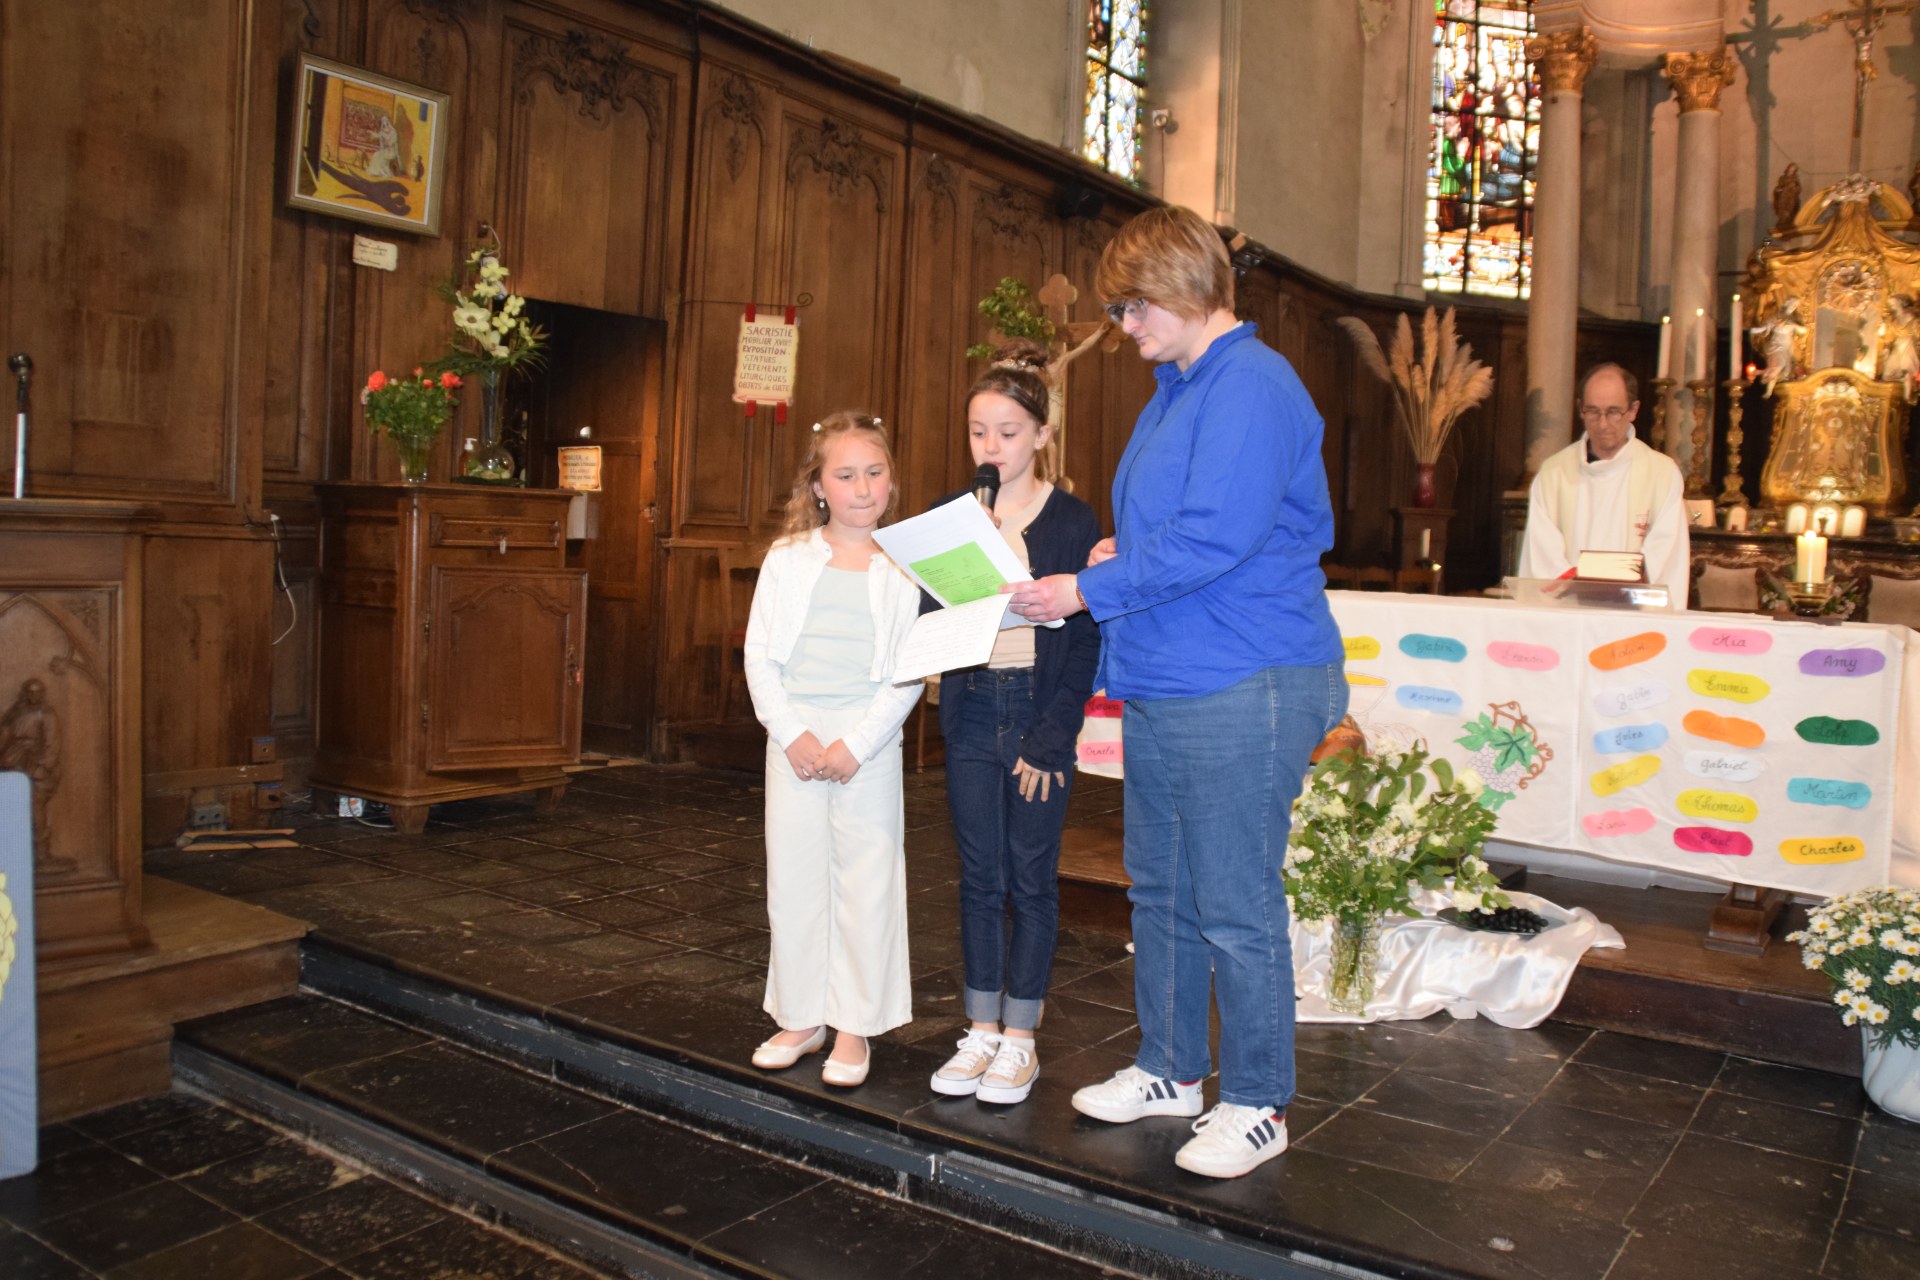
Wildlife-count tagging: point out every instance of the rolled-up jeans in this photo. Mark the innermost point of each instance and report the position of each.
(1210, 786)
(1009, 849)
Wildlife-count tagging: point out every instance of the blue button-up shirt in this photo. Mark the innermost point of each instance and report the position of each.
(1222, 514)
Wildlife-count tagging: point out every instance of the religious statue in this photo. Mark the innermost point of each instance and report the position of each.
(30, 744)
(1913, 188)
(1786, 198)
(1900, 342)
(1777, 337)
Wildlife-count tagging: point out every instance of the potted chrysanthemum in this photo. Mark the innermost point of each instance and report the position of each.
(1371, 831)
(1868, 944)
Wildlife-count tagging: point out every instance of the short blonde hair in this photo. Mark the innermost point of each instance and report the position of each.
(1173, 258)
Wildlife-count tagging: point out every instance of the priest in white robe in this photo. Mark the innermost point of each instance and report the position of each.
(1608, 491)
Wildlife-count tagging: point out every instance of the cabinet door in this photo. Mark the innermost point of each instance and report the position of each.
(504, 653)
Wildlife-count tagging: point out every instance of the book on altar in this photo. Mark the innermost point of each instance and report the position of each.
(1610, 566)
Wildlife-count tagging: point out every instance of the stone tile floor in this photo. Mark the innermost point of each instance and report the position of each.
(638, 903)
(178, 1188)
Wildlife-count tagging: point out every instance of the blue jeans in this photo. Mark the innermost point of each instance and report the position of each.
(1210, 786)
(1009, 849)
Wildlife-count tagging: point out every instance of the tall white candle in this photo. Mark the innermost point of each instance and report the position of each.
(1660, 370)
(1803, 556)
(1702, 339)
(1733, 340)
(1426, 544)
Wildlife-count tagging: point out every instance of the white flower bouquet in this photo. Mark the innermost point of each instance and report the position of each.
(490, 330)
(1868, 943)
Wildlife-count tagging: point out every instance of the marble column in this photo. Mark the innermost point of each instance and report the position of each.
(1697, 80)
(1553, 304)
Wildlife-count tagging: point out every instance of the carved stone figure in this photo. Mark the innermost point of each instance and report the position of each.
(1777, 338)
(30, 744)
(1900, 342)
(1786, 198)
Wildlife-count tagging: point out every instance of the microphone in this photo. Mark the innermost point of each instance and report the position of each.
(986, 484)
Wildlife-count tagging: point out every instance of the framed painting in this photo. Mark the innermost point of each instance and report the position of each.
(367, 147)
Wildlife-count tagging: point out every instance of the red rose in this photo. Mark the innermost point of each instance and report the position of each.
(449, 380)
(376, 380)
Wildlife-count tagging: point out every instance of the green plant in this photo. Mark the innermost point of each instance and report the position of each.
(1867, 943)
(410, 410)
(491, 332)
(1371, 830)
(1015, 314)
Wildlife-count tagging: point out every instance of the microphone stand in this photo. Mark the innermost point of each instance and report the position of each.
(21, 366)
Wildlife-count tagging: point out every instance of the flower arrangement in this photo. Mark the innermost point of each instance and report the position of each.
(1868, 943)
(411, 411)
(1430, 393)
(491, 333)
(1371, 830)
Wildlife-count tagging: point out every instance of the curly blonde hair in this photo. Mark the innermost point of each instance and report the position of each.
(805, 510)
(1019, 372)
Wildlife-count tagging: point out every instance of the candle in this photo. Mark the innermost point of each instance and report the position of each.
(1426, 544)
(1733, 337)
(1703, 338)
(1797, 518)
(1753, 371)
(1666, 346)
(1853, 522)
(1809, 558)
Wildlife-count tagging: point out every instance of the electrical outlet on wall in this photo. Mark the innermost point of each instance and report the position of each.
(204, 817)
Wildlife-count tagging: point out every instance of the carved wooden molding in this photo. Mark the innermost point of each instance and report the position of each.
(740, 108)
(1564, 58)
(836, 150)
(1012, 213)
(594, 68)
(1698, 78)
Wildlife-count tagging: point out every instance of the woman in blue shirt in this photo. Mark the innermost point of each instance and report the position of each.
(1215, 631)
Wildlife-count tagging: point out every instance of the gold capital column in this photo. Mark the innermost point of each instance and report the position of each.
(1553, 303)
(1697, 80)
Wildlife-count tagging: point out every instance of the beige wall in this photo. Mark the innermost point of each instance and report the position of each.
(1015, 62)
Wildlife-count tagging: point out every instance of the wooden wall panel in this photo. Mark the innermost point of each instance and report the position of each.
(939, 311)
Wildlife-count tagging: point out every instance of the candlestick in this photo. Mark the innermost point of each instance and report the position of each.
(1809, 598)
(1732, 491)
(1733, 338)
(1700, 463)
(1666, 350)
(1662, 392)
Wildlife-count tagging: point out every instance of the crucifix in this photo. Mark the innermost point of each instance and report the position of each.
(1070, 341)
(1863, 23)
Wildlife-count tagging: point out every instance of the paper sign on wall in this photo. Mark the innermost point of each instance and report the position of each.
(768, 355)
(580, 468)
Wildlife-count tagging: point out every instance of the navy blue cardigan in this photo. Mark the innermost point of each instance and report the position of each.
(1064, 658)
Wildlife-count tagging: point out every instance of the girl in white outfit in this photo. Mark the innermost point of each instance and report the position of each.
(829, 613)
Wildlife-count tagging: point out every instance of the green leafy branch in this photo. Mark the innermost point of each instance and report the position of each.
(1014, 313)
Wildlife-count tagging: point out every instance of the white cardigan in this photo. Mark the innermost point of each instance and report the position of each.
(780, 600)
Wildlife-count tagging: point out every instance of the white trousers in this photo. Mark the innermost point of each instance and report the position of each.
(837, 890)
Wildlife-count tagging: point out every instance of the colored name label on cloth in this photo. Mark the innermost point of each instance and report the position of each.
(1820, 851)
(1354, 677)
(1629, 738)
(1735, 686)
(1849, 664)
(1360, 647)
(1434, 648)
(1522, 656)
(1619, 700)
(1628, 773)
(1714, 840)
(1627, 652)
(1731, 730)
(1105, 708)
(1102, 752)
(1829, 731)
(1741, 640)
(1617, 822)
(1421, 697)
(1724, 766)
(1723, 806)
(1850, 795)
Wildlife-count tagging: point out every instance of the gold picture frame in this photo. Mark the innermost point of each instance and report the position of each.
(366, 147)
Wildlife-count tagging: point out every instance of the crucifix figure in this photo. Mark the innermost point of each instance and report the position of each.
(1070, 341)
(1863, 23)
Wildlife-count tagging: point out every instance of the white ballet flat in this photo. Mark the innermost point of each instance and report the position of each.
(774, 1057)
(846, 1074)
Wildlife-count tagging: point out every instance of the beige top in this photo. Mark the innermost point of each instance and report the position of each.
(1013, 647)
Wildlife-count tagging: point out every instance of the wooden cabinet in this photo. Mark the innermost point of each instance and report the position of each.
(70, 713)
(451, 644)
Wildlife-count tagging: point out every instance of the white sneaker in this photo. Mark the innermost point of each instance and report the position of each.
(1132, 1093)
(1014, 1069)
(1231, 1140)
(961, 1076)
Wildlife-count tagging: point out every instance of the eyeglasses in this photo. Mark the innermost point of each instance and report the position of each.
(1119, 311)
(1611, 414)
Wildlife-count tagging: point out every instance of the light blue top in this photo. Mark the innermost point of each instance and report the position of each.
(1222, 514)
(832, 661)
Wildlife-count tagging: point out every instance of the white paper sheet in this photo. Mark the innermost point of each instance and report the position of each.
(955, 553)
(948, 639)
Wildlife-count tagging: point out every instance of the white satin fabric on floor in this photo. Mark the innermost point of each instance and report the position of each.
(1427, 965)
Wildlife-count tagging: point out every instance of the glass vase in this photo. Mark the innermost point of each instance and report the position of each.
(491, 460)
(1355, 964)
(413, 458)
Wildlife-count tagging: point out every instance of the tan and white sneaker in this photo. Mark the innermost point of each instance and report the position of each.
(1014, 1069)
(961, 1076)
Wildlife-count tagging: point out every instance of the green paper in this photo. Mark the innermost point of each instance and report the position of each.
(961, 575)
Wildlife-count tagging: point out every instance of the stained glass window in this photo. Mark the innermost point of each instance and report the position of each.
(1482, 149)
(1116, 84)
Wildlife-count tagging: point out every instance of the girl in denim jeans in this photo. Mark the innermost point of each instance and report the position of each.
(1010, 729)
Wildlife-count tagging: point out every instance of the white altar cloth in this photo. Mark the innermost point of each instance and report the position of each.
(1427, 965)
